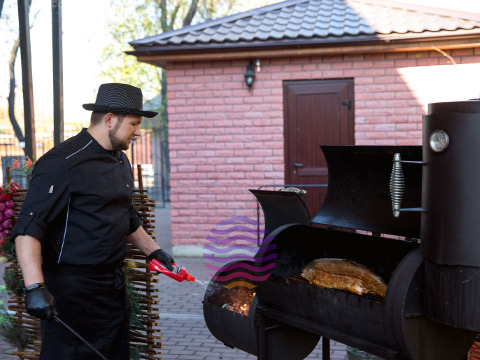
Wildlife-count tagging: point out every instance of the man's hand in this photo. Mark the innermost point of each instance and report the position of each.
(39, 302)
(164, 257)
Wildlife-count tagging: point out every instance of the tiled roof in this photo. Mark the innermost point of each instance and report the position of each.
(320, 21)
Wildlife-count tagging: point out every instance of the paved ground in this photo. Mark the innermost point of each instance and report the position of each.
(185, 335)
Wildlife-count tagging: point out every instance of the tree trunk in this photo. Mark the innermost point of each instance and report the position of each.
(191, 13)
(11, 95)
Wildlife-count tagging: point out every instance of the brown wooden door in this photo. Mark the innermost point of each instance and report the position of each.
(317, 112)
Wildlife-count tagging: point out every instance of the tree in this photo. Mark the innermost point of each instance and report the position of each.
(137, 19)
(11, 93)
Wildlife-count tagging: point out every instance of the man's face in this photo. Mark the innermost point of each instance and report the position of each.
(124, 131)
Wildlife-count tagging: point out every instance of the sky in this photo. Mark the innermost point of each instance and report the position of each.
(84, 36)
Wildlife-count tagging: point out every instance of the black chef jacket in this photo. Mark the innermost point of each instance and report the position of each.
(79, 204)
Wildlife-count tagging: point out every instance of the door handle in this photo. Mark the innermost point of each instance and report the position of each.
(295, 165)
(347, 103)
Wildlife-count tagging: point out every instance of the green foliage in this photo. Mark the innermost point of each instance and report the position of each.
(10, 330)
(137, 19)
(214, 9)
(134, 353)
(13, 333)
(123, 28)
(25, 167)
(9, 248)
(136, 310)
(13, 282)
(134, 298)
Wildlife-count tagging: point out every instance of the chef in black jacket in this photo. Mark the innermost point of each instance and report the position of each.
(72, 232)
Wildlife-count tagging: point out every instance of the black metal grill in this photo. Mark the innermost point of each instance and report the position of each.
(428, 256)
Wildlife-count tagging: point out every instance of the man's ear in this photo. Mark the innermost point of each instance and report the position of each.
(109, 120)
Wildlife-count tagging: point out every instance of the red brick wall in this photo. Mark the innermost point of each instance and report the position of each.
(225, 138)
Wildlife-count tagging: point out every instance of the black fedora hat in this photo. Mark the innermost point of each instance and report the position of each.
(121, 99)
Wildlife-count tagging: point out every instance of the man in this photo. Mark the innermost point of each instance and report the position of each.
(72, 232)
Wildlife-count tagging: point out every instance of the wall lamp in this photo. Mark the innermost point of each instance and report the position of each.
(250, 72)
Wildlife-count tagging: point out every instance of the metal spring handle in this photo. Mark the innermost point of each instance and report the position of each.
(397, 185)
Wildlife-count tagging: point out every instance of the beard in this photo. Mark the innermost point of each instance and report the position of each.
(117, 144)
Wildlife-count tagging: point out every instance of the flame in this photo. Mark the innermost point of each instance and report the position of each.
(244, 309)
(240, 300)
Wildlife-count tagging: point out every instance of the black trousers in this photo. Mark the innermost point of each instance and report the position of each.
(96, 306)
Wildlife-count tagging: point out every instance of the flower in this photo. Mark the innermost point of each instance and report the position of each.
(25, 168)
(28, 163)
(8, 190)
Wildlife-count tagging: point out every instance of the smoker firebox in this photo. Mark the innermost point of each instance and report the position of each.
(235, 323)
(428, 256)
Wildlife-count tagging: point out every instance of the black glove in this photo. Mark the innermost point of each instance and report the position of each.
(39, 302)
(164, 257)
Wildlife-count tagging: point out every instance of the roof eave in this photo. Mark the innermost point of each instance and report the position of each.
(161, 55)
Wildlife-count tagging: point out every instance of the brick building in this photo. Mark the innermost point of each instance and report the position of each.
(331, 72)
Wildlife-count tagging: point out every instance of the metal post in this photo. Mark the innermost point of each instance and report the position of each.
(262, 337)
(57, 48)
(27, 82)
(325, 348)
(1, 6)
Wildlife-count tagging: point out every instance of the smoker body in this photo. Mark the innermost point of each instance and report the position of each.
(450, 224)
(428, 256)
(395, 327)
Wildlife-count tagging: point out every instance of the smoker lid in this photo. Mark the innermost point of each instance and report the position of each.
(469, 106)
(280, 208)
(358, 195)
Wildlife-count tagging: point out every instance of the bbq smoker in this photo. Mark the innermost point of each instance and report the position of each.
(409, 214)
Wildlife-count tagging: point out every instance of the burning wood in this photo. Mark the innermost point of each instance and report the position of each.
(239, 300)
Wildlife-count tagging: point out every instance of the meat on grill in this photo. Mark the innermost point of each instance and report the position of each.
(345, 275)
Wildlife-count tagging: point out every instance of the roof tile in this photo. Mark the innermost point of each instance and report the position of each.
(318, 19)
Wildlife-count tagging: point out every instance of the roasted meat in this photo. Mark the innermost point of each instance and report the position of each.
(343, 275)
